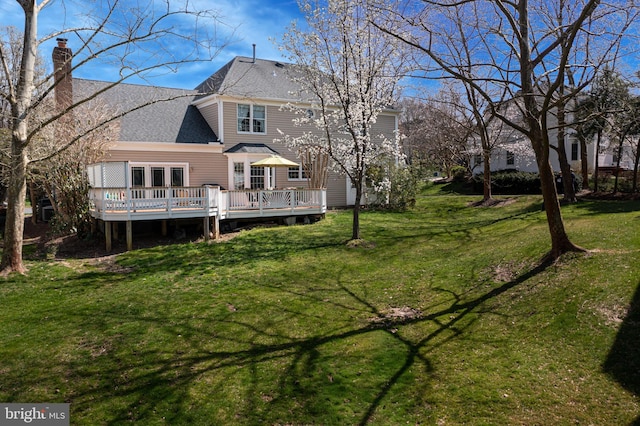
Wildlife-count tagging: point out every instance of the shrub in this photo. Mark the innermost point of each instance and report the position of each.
(510, 182)
(458, 173)
(398, 189)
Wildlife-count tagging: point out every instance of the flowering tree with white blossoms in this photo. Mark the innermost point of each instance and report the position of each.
(349, 75)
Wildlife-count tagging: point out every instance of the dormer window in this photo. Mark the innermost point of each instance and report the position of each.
(252, 118)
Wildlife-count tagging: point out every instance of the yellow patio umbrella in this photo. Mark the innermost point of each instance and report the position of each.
(275, 161)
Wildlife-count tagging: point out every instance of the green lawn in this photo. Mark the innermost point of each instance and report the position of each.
(445, 319)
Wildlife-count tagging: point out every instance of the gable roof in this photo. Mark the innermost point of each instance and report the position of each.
(169, 116)
(249, 78)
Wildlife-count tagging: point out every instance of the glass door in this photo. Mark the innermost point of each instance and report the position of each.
(158, 181)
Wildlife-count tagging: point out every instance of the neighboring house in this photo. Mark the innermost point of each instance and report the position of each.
(513, 151)
(516, 154)
(196, 149)
(608, 158)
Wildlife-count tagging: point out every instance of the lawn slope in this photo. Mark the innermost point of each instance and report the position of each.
(445, 317)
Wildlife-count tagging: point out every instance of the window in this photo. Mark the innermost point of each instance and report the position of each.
(244, 118)
(238, 176)
(157, 180)
(144, 175)
(252, 118)
(157, 176)
(477, 159)
(177, 176)
(259, 116)
(137, 176)
(574, 151)
(511, 158)
(298, 173)
(257, 177)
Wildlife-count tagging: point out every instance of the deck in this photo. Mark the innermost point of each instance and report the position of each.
(158, 203)
(117, 204)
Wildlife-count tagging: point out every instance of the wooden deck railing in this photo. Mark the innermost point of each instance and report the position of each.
(173, 202)
(274, 199)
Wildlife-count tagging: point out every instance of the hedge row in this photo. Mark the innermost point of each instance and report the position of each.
(513, 182)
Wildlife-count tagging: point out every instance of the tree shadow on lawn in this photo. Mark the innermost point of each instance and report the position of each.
(462, 231)
(623, 361)
(139, 382)
(597, 207)
(200, 258)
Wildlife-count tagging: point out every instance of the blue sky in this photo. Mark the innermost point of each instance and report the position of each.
(255, 21)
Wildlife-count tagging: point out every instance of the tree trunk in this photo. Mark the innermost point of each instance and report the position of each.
(487, 175)
(565, 168)
(635, 169)
(539, 136)
(597, 154)
(567, 176)
(34, 203)
(17, 188)
(584, 162)
(560, 242)
(355, 233)
(14, 226)
(617, 169)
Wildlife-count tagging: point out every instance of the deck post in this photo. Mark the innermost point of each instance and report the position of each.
(115, 230)
(206, 228)
(129, 236)
(164, 228)
(216, 227)
(107, 235)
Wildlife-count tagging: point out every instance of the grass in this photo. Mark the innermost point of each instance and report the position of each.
(443, 318)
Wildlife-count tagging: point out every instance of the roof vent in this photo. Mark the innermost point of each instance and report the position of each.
(279, 65)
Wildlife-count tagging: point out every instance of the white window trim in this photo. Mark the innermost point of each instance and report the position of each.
(300, 177)
(251, 132)
(510, 158)
(167, 170)
(247, 159)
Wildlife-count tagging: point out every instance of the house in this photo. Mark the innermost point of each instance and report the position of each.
(515, 153)
(511, 150)
(189, 154)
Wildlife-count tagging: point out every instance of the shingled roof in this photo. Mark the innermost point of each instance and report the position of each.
(252, 148)
(169, 116)
(252, 78)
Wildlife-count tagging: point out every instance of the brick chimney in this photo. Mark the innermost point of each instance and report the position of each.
(62, 74)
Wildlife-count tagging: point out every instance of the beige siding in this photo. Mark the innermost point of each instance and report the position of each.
(203, 167)
(210, 114)
(337, 191)
(283, 120)
(276, 119)
(385, 125)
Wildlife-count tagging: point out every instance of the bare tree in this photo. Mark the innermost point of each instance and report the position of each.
(626, 125)
(62, 175)
(436, 132)
(136, 40)
(596, 111)
(349, 72)
(521, 55)
(11, 40)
